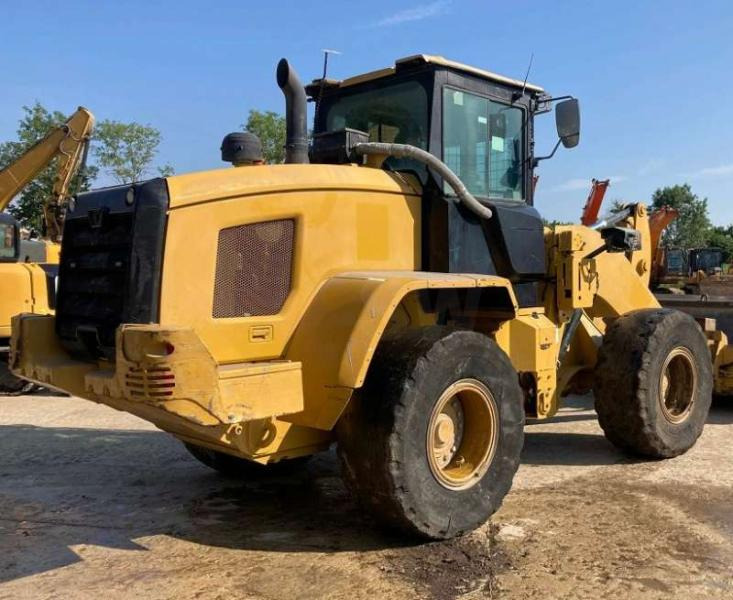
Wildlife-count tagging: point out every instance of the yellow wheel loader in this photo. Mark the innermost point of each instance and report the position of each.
(28, 268)
(390, 289)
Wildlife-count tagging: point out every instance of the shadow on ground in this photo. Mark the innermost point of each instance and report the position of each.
(721, 412)
(575, 408)
(62, 487)
(546, 448)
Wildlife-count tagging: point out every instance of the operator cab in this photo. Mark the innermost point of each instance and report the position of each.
(14, 249)
(9, 239)
(481, 126)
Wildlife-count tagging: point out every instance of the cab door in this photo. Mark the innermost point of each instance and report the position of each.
(484, 141)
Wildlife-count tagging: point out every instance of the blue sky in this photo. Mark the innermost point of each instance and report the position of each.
(653, 78)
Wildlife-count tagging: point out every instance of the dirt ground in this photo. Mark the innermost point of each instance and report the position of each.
(96, 503)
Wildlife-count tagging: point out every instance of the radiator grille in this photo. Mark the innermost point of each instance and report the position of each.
(253, 269)
(93, 277)
(111, 262)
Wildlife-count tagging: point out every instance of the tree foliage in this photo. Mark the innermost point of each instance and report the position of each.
(692, 228)
(35, 124)
(126, 150)
(555, 223)
(617, 205)
(270, 128)
(722, 237)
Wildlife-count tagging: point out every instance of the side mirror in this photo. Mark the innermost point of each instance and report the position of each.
(567, 120)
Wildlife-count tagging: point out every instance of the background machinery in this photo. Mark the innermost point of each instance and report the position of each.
(391, 288)
(28, 267)
(593, 204)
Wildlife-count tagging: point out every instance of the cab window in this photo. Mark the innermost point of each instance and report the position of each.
(483, 143)
(396, 113)
(7, 241)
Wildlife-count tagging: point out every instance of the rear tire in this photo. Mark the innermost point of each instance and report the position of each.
(431, 443)
(654, 383)
(241, 468)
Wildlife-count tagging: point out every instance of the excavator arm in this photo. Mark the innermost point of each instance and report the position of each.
(69, 143)
(595, 199)
(658, 221)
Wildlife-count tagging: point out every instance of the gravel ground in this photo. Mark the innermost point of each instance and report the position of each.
(94, 503)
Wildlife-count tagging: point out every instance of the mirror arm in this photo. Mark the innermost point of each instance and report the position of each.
(537, 159)
(548, 100)
(558, 98)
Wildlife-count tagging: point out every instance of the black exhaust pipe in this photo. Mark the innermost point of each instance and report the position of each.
(296, 125)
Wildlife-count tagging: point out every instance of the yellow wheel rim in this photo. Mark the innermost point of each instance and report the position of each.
(463, 434)
(677, 385)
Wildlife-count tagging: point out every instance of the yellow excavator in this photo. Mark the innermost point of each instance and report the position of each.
(28, 267)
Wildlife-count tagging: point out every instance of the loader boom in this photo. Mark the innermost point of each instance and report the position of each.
(68, 142)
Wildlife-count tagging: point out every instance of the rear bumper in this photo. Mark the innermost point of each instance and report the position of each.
(167, 376)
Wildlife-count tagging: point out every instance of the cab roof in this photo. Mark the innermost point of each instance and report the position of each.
(417, 59)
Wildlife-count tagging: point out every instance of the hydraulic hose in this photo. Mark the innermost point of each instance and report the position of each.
(408, 151)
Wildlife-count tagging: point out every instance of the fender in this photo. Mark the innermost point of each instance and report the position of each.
(348, 315)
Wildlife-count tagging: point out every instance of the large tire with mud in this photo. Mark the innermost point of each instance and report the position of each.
(431, 443)
(654, 382)
(241, 468)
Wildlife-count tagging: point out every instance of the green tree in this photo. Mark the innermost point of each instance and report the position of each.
(270, 128)
(126, 150)
(722, 237)
(617, 205)
(692, 227)
(35, 124)
(554, 223)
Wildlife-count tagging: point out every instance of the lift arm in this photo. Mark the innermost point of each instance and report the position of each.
(69, 142)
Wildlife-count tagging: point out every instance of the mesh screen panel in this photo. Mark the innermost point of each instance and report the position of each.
(253, 269)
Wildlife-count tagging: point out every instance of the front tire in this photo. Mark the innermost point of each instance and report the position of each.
(431, 444)
(654, 383)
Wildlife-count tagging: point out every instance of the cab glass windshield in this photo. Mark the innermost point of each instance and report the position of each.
(483, 143)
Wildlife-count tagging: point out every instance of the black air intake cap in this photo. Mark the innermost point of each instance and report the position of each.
(241, 147)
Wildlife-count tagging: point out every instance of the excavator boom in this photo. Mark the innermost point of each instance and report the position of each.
(658, 222)
(595, 199)
(68, 142)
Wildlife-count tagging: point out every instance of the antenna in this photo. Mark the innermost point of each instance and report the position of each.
(326, 52)
(517, 95)
(529, 68)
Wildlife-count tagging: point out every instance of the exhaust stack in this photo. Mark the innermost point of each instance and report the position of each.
(296, 140)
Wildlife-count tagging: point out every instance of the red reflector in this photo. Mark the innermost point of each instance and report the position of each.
(169, 348)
